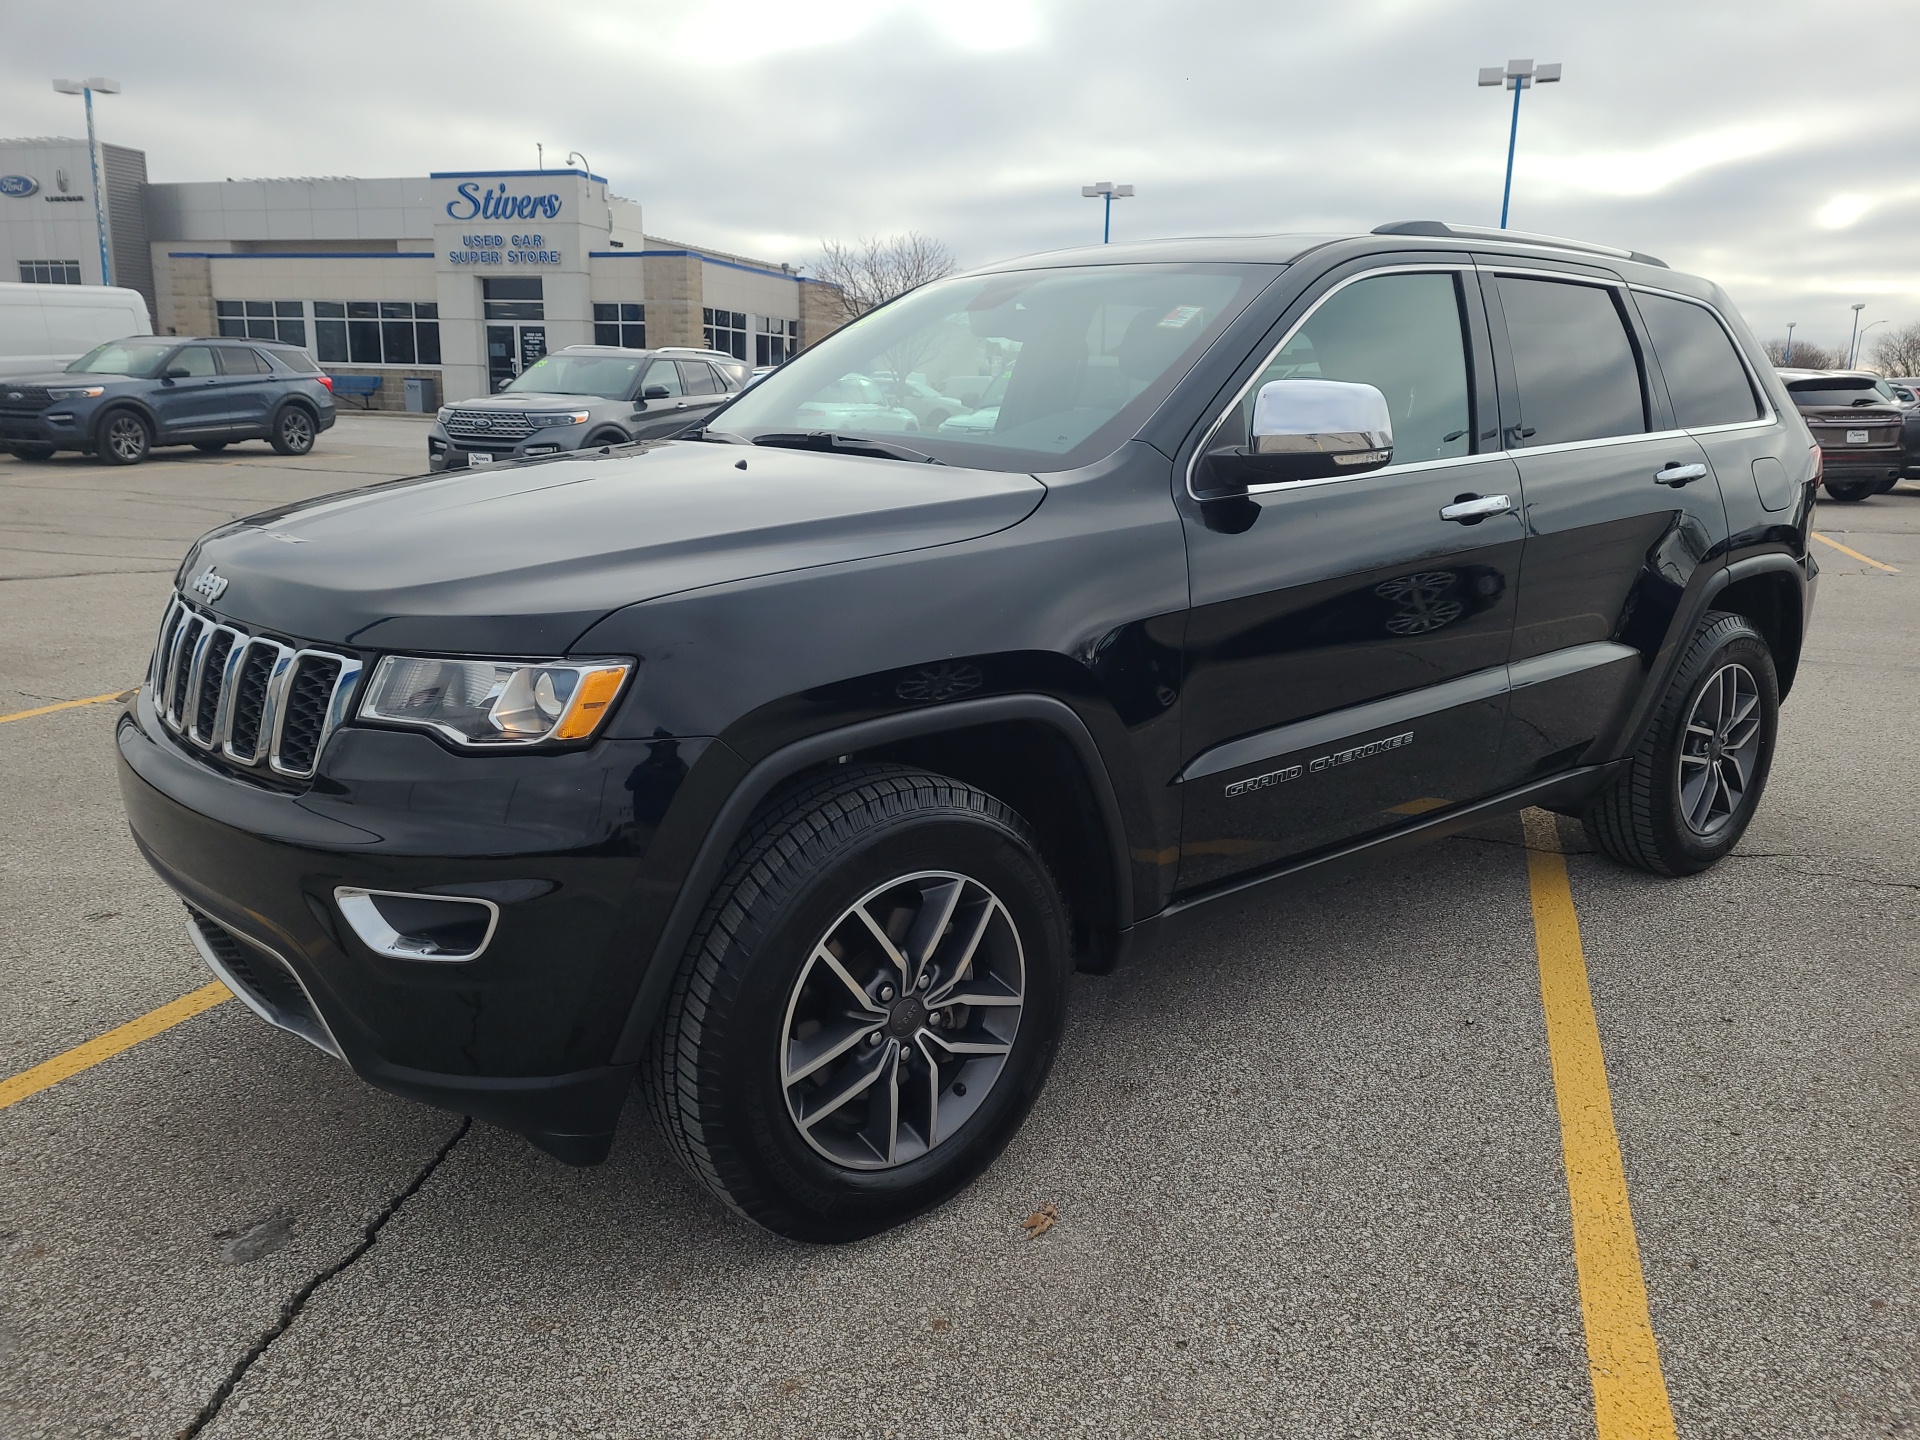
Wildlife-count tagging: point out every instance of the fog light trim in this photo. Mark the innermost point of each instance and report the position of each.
(379, 929)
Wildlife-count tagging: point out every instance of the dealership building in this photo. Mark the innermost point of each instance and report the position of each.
(463, 277)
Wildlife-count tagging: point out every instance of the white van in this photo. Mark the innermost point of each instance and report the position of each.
(42, 327)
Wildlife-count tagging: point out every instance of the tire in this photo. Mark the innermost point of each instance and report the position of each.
(292, 431)
(1850, 490)
(608, 437)
(1885, 485)
(1676, 811)
(211, 447)
(32, 452)
(717, 1075)
(124, 437)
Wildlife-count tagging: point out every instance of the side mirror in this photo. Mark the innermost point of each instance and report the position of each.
(1309, 430)
(178, 372)
(656, 392)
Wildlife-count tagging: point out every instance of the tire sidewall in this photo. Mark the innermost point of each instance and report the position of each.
(739, 1066)
(1683, 850)
(104, 447)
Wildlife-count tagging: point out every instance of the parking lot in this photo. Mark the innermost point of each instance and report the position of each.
(1310, 1174)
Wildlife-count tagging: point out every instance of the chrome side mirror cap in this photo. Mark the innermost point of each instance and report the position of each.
(1322, 427)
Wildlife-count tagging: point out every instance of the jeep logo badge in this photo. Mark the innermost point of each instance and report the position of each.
(209, 586)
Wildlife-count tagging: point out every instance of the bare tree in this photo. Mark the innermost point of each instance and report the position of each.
(1806, 355)
(873, 271)
(1898, 351)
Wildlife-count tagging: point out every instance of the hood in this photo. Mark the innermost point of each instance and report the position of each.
(531, 400)
(521, 559)
(58, 379)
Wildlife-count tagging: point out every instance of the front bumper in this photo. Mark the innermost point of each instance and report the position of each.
(446, 452)
(61, 426)
(520, 1036)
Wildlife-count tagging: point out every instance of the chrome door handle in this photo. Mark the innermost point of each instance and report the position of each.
(1476, 508)
(1678, 475)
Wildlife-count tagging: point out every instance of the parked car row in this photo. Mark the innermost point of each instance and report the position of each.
(1868, 428)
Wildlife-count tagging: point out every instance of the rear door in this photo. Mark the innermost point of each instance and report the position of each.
(1621, 508)
(1347, 646)
(248, 389)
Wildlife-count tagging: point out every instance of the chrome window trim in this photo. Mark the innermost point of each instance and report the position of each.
(1772, 416)
(371, 928)
(1461, 266)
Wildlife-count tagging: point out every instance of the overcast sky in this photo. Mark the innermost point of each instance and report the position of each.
(1773, 145)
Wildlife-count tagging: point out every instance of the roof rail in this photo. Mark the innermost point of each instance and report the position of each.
(1523, 237)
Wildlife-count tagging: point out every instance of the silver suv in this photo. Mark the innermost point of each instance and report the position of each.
(583, 397)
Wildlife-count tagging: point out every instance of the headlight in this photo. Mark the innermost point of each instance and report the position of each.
(443, 413)
(81, 392)
(543, 418)
(495, 702)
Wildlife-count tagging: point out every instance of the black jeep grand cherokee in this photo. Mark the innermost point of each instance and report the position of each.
(792, 767)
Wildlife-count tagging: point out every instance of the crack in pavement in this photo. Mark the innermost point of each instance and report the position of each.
(291, 1311)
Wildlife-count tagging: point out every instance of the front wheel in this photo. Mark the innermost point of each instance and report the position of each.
(1698, 775)
(292, 431)
(125, 438)
(868, 1007)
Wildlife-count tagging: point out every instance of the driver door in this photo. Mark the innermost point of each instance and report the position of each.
(1347, 645)
(189, 403)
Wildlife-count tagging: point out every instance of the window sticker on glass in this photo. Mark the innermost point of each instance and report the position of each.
(1181, 316)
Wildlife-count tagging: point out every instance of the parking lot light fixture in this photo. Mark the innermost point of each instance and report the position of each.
(87, 88)
(1110, 192)
(1855, 362)
(1517, 76)
(1853, 340)
(1787, 357)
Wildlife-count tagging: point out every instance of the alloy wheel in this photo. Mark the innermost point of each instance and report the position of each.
(1718, 749)
(901, 1020)
(127, 438)
(296, 431)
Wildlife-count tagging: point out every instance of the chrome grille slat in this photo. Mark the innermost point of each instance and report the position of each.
(226, 691)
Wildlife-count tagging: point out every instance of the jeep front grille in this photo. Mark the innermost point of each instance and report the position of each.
(251, 700)
(488, 425)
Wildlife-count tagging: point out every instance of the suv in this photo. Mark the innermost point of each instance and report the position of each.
(583, 397)
(121, 399)
(792, 770)
(1867, 438)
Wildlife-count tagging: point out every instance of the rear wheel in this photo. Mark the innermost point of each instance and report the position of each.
(1697, 777)
(125, 438)
(291, 432)
(868, 1007)
(1850, 489)
(32, 452)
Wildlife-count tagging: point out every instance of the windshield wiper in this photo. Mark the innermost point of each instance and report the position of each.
(832, 441)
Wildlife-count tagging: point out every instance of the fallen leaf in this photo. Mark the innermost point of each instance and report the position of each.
(1041, 1221)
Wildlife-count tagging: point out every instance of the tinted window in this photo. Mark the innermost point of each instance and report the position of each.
(663, 372)
(1705, 379)
(195, 360)
(1399, 333)
(607, 376)
(235, 360)
(297, 360)
(122, 357)
(1576, 370)
(697, 376)
(1835, 390)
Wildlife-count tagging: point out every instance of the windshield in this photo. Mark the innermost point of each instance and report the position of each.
(1036, 369)
(608, 376)
(1837, 390)
(123, 357)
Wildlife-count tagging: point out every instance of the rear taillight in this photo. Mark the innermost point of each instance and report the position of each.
(1819, 466)
(326, 380)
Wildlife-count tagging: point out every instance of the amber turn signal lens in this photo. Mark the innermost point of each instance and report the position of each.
(590, 701)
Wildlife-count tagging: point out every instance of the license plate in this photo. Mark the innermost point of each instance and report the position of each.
(1856, 437)
(482, 457)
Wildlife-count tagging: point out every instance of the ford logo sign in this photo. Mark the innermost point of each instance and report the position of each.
(18, 185)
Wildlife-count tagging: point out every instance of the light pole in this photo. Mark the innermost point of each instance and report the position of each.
(1110, 192)
(1787, 359)
(1854, 364)
(87, 87)
(1854, 339)
(1518, 75)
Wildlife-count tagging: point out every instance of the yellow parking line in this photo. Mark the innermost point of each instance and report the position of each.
(1866, 559)
(1623, 1358)
(65, 705)
(16, 1088)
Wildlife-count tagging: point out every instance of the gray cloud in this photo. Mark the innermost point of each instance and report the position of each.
(1738, 140)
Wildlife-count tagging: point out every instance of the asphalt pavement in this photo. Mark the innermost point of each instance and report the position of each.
(1307, 1166)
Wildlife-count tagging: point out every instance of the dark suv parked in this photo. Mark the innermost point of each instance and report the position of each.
(583, 397)
(1867, 439)
(792, 768)
(121, 399)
